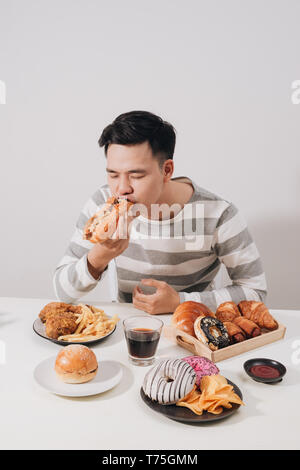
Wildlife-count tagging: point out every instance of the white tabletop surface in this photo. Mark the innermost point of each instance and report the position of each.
(32, 418)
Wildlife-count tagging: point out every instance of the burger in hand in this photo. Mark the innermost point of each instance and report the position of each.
(103, 224)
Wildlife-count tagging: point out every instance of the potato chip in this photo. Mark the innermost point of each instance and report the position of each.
(215, 394)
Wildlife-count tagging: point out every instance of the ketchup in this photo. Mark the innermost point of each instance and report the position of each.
(265, 372)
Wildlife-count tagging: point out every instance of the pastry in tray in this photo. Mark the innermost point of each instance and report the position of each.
(186, 313)
(249, 327)
(258, 313)
(199, 321)
(235, 333)
(227, 311)
(211, 332)
(230, 324)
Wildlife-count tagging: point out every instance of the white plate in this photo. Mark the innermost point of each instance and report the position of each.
(108, 376)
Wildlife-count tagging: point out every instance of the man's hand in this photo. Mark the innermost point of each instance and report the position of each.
(102, 253)
(165, 299)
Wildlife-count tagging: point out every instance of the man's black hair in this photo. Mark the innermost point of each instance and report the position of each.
(136, 127)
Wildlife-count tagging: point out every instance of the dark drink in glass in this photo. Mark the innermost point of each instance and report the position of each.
(142, 342)
(142, 335)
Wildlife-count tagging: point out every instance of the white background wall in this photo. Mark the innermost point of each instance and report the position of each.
(219, 71)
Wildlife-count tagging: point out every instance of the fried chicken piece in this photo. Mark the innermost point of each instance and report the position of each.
(57, 307)
(52, 307)
(60, 323)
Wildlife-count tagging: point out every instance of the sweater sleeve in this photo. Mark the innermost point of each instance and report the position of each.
(72, 279)
(234, 247)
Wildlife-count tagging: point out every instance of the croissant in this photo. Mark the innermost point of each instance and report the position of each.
(248, 326)
(186, 314)
(235, 333)
(227, 311)
(258, 313)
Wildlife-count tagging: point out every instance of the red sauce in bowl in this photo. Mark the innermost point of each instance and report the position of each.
(265, 372)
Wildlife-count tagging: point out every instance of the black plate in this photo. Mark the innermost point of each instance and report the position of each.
(260, 361)
(185, 415)
(39, 328)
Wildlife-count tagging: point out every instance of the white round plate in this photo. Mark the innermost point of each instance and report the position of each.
(108, 376)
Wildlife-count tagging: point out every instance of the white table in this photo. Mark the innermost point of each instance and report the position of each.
(32, 418)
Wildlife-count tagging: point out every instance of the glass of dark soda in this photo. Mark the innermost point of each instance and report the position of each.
(142, 335)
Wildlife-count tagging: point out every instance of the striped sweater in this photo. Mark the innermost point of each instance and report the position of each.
(186, 252)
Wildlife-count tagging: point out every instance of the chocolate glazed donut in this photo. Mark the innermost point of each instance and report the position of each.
(212, 332)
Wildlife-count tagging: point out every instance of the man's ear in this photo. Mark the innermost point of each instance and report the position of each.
(168, 169)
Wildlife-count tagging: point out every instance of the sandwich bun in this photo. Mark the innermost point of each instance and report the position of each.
(76, 364)
(103, 224)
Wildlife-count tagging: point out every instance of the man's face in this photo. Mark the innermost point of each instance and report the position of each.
(132, 171)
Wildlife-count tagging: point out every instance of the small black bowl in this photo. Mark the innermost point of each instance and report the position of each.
(265, 362)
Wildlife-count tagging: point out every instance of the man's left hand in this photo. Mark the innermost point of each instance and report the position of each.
(165, 299)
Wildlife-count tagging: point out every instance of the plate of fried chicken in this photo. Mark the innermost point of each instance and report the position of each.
(59, 319)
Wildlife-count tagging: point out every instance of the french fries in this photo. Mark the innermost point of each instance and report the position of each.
(92, 323)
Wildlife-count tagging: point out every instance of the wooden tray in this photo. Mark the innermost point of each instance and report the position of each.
(197, 348)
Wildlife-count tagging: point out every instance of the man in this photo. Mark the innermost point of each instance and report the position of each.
(177, 243)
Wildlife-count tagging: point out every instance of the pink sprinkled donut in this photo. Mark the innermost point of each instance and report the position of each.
(202, 366)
